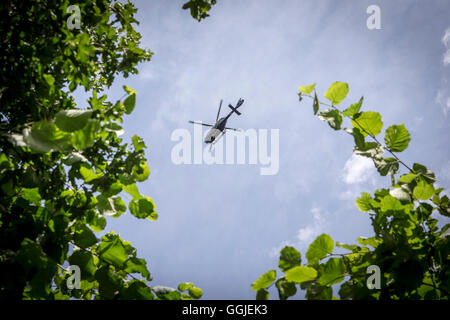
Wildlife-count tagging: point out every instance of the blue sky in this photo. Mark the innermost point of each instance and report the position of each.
(221, 226)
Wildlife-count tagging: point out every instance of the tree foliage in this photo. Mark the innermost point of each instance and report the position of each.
(412, 252)
(64, 168)
(199, 8)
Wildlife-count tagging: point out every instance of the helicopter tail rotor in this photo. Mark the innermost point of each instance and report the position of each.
(239, 103)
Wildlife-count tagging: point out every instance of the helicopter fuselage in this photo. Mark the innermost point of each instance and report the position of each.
(217, 129)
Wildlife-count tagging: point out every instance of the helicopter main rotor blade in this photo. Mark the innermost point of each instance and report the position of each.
(218, 112)
(233, 129)
(203, 124)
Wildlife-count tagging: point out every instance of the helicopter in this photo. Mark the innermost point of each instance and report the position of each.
(218, 129)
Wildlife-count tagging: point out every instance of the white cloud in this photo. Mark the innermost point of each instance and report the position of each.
(357, 169)
(306, 234)
(442, 97)
(446, 42)
(441, 100)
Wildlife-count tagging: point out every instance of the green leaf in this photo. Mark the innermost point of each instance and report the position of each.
(332, 272)
(112, 250)
(112, 206)
(129, 103)
(113, 189)
(363, 202)
(307, 89)
(136, 265)
(373, 241)
(337, 92)
(423, 191)
(317, 292)
(49, 79)
(108, 283)
(369, 149)
(85, 261)
(132, 189)
(359, 139)
(351, 247)
(265, 280)
(353, 109)
(136, 290)
(85, 138)
(423, 171)
(184, 286)
(368, 123)
(141, 172)
(97, 223)
(285, 288)
(138, 143)
(301, 274)
(407, 178)
(166, 293)
(315, 104)
(389, 203)
(126, 178)
(319, 248)
(31, 195)
(129, 90)
(262, 295)
(397, 138)
(386, 166)
(87, 173)
(195, 292)
(332, 116)
(142, 208)
(45, 137)
(84, 237)
(115, 128)
(289, 257)
(72, 120)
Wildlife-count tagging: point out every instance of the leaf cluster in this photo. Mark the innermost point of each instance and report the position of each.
(412, 252)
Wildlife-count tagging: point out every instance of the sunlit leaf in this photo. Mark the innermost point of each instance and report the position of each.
(423, 191)
(320, 248)
(307, 89)
(301, 274)
(265, 280)
(337, 92)
(72, 120)
(332, 272)
(353, 109)
(397, 138)
(332, 116)
(368, 123)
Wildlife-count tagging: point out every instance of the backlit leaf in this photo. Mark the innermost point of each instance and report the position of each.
(320, 248)
(301, 274)
(368, 123)
(397, 138)
(307, 89)
(72, 120)
(265, 280)
(337, 92)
